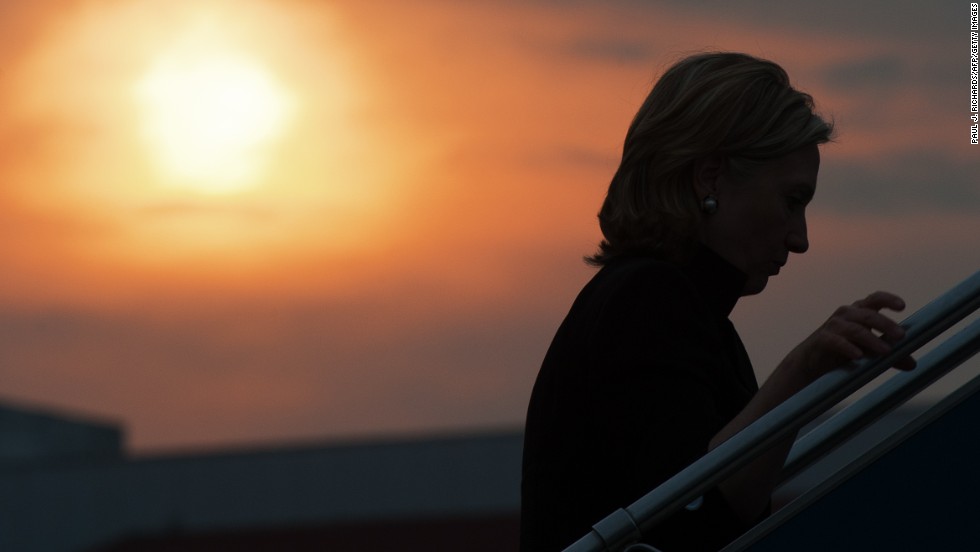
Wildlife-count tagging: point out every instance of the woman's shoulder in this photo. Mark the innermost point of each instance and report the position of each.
(633, 290)
(641, 278)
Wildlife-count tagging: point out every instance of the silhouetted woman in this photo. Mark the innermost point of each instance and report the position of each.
(646, 374)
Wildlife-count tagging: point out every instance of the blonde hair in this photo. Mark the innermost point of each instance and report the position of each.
(730, 105)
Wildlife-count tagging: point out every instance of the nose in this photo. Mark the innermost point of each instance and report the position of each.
(796, 240)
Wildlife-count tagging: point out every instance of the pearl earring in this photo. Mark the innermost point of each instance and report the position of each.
(709, 205)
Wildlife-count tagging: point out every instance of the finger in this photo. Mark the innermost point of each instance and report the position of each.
(855, 348)
(858, 335)
(874, 320)
(881, 300)
(862, 338)
(906, 364)
(839, 345)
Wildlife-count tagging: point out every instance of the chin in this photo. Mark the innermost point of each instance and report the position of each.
(754, 286)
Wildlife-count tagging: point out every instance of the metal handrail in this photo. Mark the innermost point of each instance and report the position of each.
(936, 411)
(624, 526)
(882, 400)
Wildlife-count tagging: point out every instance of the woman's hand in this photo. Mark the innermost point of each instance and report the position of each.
(854, 331)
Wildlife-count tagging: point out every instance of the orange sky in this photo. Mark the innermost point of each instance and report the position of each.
(409, 238)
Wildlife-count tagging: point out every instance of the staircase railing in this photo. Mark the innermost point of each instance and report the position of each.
(897, 390)
(627, 525)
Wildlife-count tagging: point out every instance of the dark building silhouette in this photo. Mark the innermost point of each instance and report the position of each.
(66, 485)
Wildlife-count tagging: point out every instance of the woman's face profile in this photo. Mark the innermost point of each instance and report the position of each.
(762, 219)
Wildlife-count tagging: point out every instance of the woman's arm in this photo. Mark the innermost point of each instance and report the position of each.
(848, 335)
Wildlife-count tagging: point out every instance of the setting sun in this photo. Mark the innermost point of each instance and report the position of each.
(207, 118)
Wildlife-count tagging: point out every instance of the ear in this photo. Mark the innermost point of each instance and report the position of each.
(707, 173)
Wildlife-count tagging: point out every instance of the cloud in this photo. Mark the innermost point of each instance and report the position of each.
(208, 373)
(901, 182)
(610, 49)
(250, 212)
(885, 70)
(574, 156)
(898, 19)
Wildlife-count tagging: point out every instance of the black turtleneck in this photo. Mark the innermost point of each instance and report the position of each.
(643, 372)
